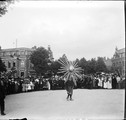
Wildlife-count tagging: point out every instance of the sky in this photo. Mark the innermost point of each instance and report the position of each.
(78, 29)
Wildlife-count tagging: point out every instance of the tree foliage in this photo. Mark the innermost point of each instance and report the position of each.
(83, 64)
(92, 66)
(55, 67)
(101, 67)
(40, 59)
(4, 6)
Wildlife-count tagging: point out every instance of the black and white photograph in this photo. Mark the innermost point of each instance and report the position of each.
(62, 60)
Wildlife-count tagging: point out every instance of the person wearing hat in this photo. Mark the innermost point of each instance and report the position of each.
(2, 97)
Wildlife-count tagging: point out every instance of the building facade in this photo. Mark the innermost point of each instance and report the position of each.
(18, 59)
(118, 61)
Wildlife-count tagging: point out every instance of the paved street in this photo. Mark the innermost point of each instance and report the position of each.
(50, 105)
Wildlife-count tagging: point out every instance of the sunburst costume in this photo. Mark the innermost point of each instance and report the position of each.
(69, 68)
(71, 72)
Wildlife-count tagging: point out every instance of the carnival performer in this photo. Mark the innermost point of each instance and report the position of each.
(69, 85)
(71, 71)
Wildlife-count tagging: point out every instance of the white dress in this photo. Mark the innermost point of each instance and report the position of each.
(109, 83)
(99, 82)
(48, 84)
(105, 84)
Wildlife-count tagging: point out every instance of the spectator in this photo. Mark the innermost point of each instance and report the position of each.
(2, 97)
(16, 86)
(114, 82)
(118, 82)
(109, 82)
(48, 84)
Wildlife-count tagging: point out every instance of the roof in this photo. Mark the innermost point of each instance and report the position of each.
(121, 50)
(20, 49)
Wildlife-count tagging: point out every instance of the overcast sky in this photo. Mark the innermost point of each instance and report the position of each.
(76, 28)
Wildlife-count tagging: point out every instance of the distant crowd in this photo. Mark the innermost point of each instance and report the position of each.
(102, 81)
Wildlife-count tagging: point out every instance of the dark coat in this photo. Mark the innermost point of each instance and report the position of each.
(69, 83)
(2, 92)
(114, 82)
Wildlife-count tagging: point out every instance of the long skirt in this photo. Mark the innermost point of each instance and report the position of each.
(109, 85)
(69, 90)
(105, 85)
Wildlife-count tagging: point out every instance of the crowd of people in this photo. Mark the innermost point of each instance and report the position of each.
(19, 85)
(102, 81)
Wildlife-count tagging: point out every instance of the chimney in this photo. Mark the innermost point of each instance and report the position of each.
(34, 48)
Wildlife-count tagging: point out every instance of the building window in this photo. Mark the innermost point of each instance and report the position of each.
(18, 53)
(9, 65)
(22, 74)
(14, 65)
(25, 52)
(123, 72)
(123, 63)
(22, 63)
(22, 52)
(2, 54)
(123, 54)
(29, 53)
(8, 53)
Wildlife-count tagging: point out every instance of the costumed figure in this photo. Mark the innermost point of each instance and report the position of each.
(71, 73)
(69, 85)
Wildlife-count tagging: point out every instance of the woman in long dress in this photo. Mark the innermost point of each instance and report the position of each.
(109, 82)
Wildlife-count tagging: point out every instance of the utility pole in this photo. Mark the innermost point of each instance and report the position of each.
(16, 43)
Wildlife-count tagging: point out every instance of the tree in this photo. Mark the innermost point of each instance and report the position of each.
(83, 64)
(4, 5)
(55, 67)
(100, 65)
(92, 64)
(2, 66)
(40, 59)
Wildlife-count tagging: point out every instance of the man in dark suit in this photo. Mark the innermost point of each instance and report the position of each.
(2, 97)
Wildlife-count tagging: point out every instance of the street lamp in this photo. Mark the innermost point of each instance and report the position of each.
(49, 71)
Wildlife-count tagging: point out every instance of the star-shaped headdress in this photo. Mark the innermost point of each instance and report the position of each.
(69, 68)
